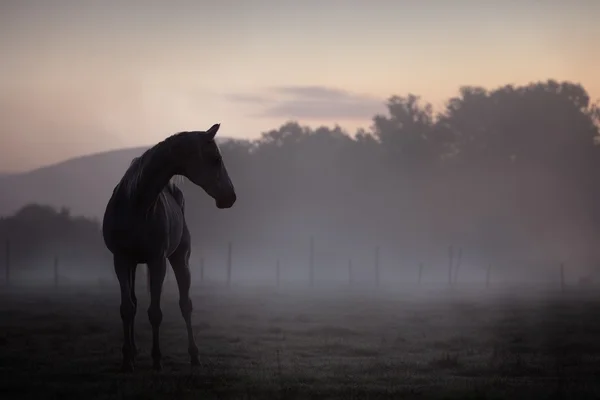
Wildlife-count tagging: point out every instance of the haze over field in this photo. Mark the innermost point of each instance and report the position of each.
(490, 168)
(417, 193)
(490, 175)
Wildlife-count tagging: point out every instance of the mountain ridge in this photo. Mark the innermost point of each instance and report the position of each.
(83, 183)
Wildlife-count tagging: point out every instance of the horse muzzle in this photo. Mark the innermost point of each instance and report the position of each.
(226, 202)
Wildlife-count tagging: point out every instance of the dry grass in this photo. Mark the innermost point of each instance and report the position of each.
(287, 345)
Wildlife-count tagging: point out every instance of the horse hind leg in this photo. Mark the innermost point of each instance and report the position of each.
(156, 271)
(180, 263)
(134, 301)
(124, 270)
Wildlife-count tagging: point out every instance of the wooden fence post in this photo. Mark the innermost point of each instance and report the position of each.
(450, 261)
(488, 276)
(55, 272)
(456, 267)
(562, 277)
(229, 249)
(201, 269)
(350, 273)
(420, 273)
(377, 266)
(7, 264)
(277, 272)
(311, 261)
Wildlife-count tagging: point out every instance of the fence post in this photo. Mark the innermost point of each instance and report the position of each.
(55, 271)
(7, 265)
(450, 261)
(488, 276)
(201, 269)
(311, 261)
(350, 275)
(277, 272)
(562, 277)
(377, 266)
(420, 273)
(229, 248)
(456, 267)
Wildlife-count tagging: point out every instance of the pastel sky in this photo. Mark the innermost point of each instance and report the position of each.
(82, 76)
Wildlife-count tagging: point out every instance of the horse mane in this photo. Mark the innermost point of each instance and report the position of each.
(133, 174)
(138, 166)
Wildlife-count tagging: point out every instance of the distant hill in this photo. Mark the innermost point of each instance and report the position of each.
(83, 184)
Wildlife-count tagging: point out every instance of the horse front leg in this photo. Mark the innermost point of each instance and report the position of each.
(180, 264)
(134, 301)
(124, 269)
(156, 271)
(180, 261)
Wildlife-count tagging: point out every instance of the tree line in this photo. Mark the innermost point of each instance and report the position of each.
(36, 235)
(509, 174)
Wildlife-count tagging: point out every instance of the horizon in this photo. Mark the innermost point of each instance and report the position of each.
(78, 79)
(95, 153)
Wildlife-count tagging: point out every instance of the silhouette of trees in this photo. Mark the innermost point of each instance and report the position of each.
(510, 174)
(529, 153)
(409, 134)
(38, 233)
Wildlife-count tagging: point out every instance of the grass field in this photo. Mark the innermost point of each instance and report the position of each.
(262, 343)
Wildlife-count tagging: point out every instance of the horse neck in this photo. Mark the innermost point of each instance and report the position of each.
(158, 168)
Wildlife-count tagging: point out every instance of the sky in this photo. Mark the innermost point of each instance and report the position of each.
(83, 76)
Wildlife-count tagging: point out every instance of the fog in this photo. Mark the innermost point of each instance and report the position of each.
(472, 225)
(489, 176)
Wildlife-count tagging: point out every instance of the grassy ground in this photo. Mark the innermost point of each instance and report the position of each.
(266, 344)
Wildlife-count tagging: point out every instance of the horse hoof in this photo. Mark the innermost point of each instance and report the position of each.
(157, 366)
(195, 362)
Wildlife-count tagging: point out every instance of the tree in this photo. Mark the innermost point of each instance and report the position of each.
(38, 233)
(509, 173)
(408, 133)
(527, 153)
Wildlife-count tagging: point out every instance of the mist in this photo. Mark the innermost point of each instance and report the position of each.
(426, 243)
(491, 177)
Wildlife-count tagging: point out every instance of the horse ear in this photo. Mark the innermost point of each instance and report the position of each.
(213, 130)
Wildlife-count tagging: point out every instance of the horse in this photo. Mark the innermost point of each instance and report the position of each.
(144, 223)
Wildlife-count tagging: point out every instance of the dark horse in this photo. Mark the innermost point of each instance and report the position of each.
(144, 224)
